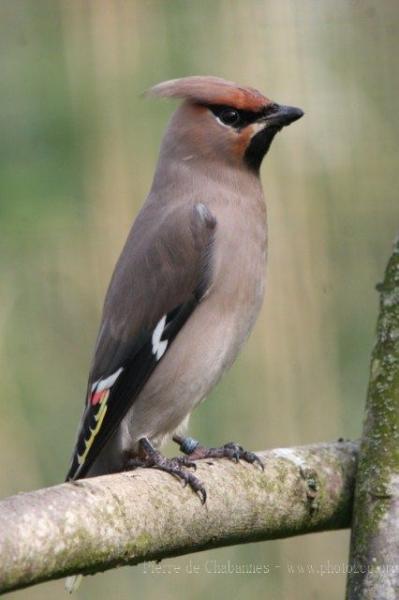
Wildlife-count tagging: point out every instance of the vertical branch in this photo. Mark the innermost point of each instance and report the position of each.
(374, 555)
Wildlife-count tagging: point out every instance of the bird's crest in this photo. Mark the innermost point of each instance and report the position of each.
(211, 90)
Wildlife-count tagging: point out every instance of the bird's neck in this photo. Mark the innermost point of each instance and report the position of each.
(204, 179)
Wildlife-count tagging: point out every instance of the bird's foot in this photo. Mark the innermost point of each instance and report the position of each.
(150, 458)
(232, 450)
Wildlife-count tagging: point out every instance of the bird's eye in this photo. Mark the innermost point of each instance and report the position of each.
(229, 116)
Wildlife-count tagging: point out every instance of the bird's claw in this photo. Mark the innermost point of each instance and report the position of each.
(186, 462)
(194, 483)
(231, 450)
(151, 458)
(239, 453)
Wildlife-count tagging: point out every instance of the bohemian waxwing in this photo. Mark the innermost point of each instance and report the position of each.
(188, 285)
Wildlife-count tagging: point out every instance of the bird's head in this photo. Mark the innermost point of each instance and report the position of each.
(222, 121)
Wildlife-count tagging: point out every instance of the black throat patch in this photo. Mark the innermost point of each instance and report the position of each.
(259, 147)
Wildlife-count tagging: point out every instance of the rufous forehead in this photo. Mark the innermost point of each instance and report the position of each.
(241, 98)
(211, 90)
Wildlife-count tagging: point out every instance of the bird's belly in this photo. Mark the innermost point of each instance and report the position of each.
(203, 350)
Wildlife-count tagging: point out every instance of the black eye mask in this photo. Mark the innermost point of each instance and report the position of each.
(238, 118)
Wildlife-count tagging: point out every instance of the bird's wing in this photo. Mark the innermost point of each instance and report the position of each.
(163, 272)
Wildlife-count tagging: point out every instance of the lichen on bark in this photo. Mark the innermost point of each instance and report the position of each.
(96, 524)
(374, 557)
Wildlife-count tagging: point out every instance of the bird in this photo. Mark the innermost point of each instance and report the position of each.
(188, 285)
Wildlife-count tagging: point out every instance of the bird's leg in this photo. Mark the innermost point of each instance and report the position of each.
(148, 457)
(232, 450)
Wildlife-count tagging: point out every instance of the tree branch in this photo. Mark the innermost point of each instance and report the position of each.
(375, 533)
(96, 524)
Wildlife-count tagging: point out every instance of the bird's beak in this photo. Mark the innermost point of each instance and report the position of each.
(284, 115)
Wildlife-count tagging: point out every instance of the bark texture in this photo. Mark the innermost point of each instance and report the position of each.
(96, 524)
(374, 559)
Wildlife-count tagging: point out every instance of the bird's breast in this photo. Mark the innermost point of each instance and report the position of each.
(239, 264)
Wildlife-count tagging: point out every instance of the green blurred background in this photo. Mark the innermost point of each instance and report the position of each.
(77, 151)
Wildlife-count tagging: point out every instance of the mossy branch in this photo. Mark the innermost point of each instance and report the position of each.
(96, 524)
(374, 558)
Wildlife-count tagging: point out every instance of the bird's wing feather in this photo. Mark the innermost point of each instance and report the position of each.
(163, 272)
